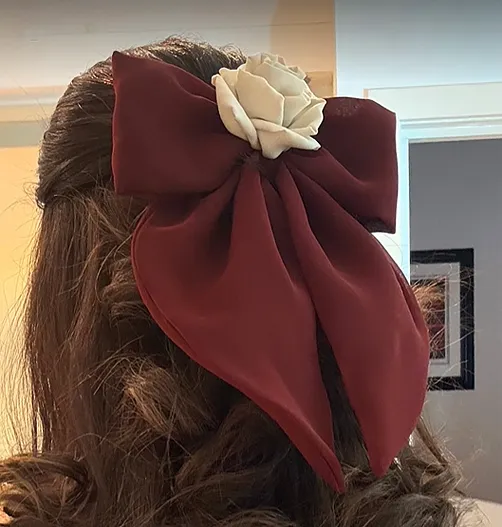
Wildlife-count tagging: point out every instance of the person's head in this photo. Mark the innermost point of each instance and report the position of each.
(128, 430)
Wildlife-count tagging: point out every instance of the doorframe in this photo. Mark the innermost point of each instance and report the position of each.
(459, 112)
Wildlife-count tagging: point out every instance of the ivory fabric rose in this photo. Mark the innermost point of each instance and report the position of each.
(269, 104)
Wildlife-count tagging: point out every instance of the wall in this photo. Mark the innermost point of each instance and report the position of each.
(47, 43)
(391, 43)
(18, 218)
(456, 192)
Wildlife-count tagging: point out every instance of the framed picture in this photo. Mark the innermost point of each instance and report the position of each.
(444, 280)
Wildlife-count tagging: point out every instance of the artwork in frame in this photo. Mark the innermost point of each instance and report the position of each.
(445, 282)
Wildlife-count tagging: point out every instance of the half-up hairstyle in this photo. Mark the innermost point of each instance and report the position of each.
(127, 430)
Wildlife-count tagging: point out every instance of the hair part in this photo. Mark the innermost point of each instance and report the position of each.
(127, 429)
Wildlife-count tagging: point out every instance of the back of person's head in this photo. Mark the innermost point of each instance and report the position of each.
(128, 429)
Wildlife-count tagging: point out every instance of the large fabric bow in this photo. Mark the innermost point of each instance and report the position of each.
(239, 258)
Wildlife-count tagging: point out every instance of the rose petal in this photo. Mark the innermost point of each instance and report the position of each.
(283, 80)
(254, 61)
(232, 114)
(230, 77)
(275, 58)
(298, 72)
(295, 105)
(275, 140)
(311, 117)
(270, 105)
(258, 98)
(278, 62)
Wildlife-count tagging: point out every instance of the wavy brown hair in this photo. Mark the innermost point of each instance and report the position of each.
(127, 430)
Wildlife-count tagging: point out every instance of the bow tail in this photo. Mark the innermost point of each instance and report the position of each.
(232, 265)
(374, 326)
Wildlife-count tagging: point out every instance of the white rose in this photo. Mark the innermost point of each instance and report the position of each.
(269, 105)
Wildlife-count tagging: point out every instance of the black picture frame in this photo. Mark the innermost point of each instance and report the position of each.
(442, 265)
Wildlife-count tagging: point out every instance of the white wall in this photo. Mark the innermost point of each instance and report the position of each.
(391, 43)
(456, 197)
(46, 43)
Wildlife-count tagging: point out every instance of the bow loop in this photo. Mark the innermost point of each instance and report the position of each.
(358, 137)
(168, 120)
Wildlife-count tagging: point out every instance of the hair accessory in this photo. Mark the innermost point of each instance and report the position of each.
(240, 258)
(269, 105)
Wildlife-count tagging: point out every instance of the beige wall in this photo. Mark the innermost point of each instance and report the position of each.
(53, 41)
(17, 221)
(17, 224)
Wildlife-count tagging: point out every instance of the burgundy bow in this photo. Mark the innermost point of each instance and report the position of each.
(238, 258)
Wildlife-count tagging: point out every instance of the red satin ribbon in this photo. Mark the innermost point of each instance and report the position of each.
(238, 258)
